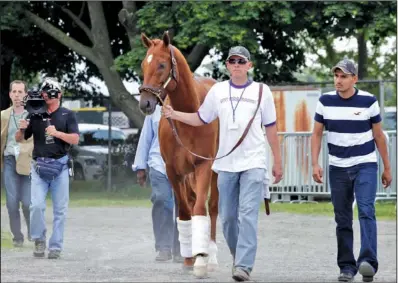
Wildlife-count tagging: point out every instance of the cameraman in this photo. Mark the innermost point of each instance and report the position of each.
(50, 166)
(15, 162)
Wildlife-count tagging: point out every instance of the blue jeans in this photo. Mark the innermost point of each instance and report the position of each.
(60, 199)
(240, 196)
(362, 180)
(163, 209)
(17, 191)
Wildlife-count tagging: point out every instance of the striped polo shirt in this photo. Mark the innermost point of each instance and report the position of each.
(349, 125)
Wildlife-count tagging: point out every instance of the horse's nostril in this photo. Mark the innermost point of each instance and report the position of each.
(148, 105)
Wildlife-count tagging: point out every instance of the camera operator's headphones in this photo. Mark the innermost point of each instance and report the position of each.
(51, 86)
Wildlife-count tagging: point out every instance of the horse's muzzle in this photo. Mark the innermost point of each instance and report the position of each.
(159, 93)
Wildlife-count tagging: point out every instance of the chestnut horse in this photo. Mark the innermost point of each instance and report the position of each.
(168, 79)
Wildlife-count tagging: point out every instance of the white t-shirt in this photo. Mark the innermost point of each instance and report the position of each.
(251, 152)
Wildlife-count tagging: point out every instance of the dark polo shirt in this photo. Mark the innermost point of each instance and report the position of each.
(64, 120)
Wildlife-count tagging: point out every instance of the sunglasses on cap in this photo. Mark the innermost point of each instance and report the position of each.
(239, 61)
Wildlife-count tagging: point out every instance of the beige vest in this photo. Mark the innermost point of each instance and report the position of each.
(25, 147)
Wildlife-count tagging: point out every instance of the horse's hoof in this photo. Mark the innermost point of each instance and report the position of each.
(200, 267)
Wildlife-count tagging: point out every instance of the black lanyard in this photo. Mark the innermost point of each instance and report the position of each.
(230, 99)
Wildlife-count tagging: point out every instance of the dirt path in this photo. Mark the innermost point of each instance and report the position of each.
(116, 244)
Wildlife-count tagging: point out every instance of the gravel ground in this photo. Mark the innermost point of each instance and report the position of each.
(116, 244)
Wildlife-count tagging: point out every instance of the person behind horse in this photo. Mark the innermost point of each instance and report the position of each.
(164, 225)
(352, 118)
(240, 174)
(16, 158)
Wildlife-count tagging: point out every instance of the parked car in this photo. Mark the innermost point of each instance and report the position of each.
(91, 153)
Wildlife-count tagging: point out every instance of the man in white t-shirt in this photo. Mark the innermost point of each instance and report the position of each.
(241, 174)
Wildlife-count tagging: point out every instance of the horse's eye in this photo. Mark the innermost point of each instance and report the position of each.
(162, 66)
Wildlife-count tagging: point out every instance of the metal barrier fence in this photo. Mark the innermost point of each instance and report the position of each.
(298, 185)
(391, 191)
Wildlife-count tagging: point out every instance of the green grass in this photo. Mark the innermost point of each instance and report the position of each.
(91, 194)
(6, 240)
(384, 210)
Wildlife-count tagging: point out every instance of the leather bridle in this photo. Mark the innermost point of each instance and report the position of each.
(160, 92)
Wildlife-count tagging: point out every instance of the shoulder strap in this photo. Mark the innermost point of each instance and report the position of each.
(260, 94)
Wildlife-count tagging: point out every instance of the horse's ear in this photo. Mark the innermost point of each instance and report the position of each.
(145, 40)
(166, 38)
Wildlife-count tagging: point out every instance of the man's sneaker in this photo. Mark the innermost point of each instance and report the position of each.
(54, 254)
(345, 277)
(164, 256)
(178, 259)
(367, 271)
(40, 247)
(241, 275)
(18, 244)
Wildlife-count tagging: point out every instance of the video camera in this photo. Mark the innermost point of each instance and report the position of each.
(34, 102)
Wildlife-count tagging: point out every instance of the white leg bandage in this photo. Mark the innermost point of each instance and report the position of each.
(185, 237)
(200, 235)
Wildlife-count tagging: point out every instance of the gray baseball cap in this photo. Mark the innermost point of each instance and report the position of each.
(347, 66)
(239, 51)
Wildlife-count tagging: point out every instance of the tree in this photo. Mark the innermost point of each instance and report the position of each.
(44, 54)
(267, 29)
(366, 21)
(100, 49)
(370, 24)
(58, 19)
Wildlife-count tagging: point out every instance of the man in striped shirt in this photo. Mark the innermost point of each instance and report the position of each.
(352, 118)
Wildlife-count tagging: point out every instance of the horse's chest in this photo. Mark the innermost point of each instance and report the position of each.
(174, 154)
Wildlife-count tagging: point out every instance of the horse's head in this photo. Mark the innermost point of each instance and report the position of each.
(159, 69)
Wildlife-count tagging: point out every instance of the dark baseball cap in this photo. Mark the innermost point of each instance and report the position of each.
(347, 66)
(239, 51)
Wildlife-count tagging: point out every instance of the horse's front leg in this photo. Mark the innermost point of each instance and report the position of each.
(200, 221)
(184, 222)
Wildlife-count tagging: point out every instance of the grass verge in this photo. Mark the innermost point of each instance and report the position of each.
(91, 194)
(384, 210)
(6, 240)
